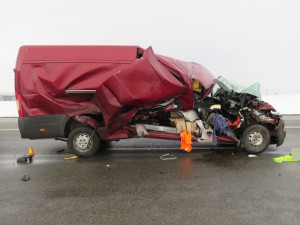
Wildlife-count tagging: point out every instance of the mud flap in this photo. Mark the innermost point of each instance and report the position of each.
(281, 133)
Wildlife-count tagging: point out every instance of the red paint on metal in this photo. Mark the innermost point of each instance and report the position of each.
(273, 133)
(19, 104)
(161, 135)
(86, 120)
(225, 139)
(267, 106)
(44, 73)
(120, 134)
(151, 82)
(125, 81)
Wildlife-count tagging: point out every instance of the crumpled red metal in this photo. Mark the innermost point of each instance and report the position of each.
(126, 79)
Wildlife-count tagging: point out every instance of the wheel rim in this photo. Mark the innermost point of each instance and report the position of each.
(256, 139)
(83, 142)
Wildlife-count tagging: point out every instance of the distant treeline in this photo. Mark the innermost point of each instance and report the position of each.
(7, 98)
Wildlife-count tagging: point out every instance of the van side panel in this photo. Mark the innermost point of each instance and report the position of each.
(52, 53)
(55, 83)
(44, 85)
(47, 76)
(43, 126)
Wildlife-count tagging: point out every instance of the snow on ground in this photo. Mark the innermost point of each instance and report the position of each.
(284, 104)
(8, 109)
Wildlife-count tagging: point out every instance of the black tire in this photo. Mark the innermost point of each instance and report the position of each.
(80, 144)
(256, 139)
(105, 144)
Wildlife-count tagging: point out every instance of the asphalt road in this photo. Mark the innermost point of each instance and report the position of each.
(129, 183)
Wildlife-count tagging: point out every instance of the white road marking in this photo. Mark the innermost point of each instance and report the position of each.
(12, 129)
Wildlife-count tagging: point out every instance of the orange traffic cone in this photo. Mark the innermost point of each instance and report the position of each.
(31, 152)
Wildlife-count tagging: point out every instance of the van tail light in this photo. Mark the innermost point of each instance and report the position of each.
(19, 105)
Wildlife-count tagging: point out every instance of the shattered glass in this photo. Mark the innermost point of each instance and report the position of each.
(228, 85)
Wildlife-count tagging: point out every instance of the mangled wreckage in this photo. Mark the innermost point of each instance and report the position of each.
(93, 94)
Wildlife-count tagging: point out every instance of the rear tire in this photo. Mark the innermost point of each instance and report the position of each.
(256, 139)
(83, 141)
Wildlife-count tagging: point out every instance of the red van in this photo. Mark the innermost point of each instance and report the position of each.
(91, 94)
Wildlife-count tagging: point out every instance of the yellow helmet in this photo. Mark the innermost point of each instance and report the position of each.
(197, 86)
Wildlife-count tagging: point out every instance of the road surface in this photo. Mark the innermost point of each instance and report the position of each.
(132, 183)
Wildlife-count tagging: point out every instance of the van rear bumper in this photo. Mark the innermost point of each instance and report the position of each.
(36, 127)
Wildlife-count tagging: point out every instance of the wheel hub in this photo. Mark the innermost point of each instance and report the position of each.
(256, 138)
(82, 142)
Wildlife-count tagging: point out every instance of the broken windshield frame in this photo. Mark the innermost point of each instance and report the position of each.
(229, 86)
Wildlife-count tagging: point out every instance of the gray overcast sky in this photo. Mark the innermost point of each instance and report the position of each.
(245, 41)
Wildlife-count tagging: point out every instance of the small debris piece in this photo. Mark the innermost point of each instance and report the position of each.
(22, 159)
(252, 156)
(107, 165)
(165, 157)
(140, 130)
(25, 159)
(72, 157)
(286, 158)
(207, 155)
(60, 150)
(26, 177)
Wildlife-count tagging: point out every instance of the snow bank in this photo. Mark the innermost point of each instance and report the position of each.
(285, 104)
(8, 109)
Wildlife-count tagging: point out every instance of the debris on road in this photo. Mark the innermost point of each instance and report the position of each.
(26, 177)
(24, 159)
(207, 155)
(72, 157)
(252, 156)
(167, 157)
(287, 158)
(60, 150)
(27, 158)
